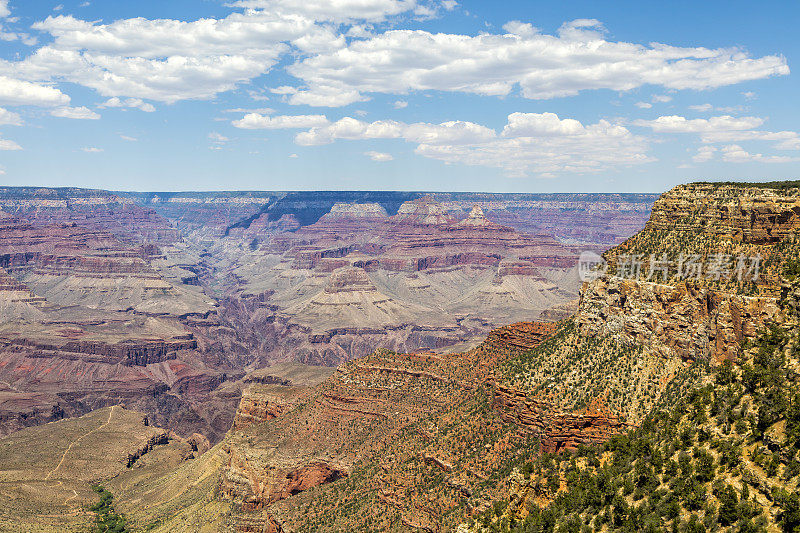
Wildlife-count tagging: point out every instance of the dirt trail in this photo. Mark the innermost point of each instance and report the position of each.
(76, 441)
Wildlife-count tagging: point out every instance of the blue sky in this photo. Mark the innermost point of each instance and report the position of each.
(517, 96)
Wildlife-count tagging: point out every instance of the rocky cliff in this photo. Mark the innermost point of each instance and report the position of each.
(704, 314)
(394, 438)
(736, 212)
(556, 430)
(690, 320)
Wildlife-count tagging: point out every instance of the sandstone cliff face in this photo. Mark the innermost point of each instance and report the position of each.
(698, 318)
(379, 423)
(747, 214)
(692, 321)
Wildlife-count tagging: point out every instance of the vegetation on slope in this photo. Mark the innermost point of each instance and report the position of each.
(719, 453)
(107, 520)
(572, 372)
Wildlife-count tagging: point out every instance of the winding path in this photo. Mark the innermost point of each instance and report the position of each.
(76, 441)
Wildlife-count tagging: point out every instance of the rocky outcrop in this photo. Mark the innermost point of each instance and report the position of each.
(158, 439)
(349, 280)
(423, 212)
(694, 321)
(394, 415)
(749, 214)
(245, 480)
(520, 336)
(257, 408)
(346, 212)
(557, 431)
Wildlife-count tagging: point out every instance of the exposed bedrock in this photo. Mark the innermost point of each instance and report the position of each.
(128, 352)
(38, 386)
(557, 431)
(97, 209)
(689, 320)
(250, 332)
(747, 214)
(384, 391)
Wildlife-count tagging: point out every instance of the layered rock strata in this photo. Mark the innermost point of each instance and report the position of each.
(691, 320)
(383, 410)
(749, 214)
(557, 431)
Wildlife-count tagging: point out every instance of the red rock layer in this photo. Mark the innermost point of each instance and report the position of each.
(521, 336)
(368, 402)
(70, 249)
(420, 236)
(128, 352)
(256, 409)
(556, 431)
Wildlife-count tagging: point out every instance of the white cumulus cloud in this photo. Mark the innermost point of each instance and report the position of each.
(333, 10)
(79, 113)
(723, 129)
(8, 145)
(736, 154)
(168, 60)
(678, 124)
(379, 156)
(538, 143)
(256, 121)
(136, 103)
(20, 92)
(577, 58)
(704, 153)
(9, 118)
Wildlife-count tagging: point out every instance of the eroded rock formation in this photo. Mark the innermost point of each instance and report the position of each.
(557, 431)
(758, 215)
(691, 320)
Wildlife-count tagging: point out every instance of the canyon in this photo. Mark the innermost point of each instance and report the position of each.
(416, 440)
(166, 302)
(420, 433)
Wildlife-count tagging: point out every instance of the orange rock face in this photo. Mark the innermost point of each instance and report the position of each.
(557, 431)
(382, 410)
(521, 336)
(256, 408)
